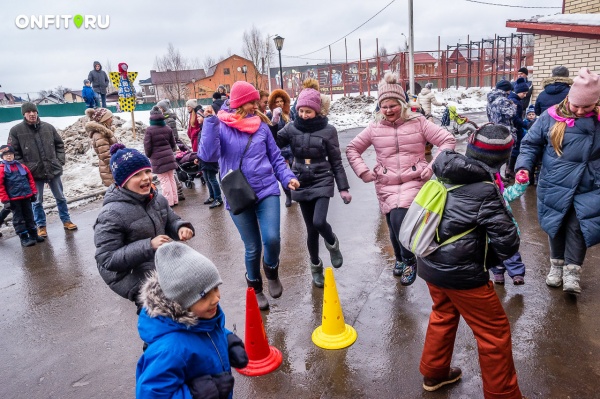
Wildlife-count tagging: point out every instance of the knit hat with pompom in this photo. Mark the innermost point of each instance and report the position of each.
(99, 115)
(126, 162)
(390, 88)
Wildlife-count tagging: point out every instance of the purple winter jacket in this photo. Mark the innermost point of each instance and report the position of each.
(263, 164)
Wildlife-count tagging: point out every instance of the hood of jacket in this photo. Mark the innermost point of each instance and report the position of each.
(495, 94)
(97, 63)
(162, 316)
(284, 96)
(93, 127)
(425, 91)
(455, 168)
(556, 81)
(557, 87)
(121, 194)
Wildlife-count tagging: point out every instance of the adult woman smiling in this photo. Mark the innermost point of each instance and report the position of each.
(399, 139)
(244, 132)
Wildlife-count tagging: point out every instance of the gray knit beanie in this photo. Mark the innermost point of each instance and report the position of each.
(164, 104)
(561, 71)
(27, 107)
(185, 275)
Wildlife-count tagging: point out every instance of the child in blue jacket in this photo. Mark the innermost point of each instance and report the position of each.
(190, 352)
(88, 94)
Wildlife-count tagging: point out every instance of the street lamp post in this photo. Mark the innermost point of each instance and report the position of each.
(279, 45)
(243, 69)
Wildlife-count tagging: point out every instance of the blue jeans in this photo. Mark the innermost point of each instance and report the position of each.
(513, 265)
(100, 97)
(262, 220)
(61, 203)
(214, 189)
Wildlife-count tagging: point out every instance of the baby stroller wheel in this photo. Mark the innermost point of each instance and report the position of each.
(189, 184)
(202, 180)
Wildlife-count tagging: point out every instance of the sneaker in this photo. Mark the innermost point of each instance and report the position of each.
(26, 241)
(409, 275)
(215, 204)
(498, 278)
(209, 201)
(555, 276)
(518, 280)
(432, 384)
(42, 231)
(68, 226)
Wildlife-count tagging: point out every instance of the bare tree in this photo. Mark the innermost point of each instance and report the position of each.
(208, 62)
(108, 69)
(259, 50)
(176, 92)
(60, 91)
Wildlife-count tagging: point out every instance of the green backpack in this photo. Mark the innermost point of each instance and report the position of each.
(419, 230)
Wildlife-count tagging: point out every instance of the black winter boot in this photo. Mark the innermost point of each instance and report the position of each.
(25, 240)
(263, 304)
(272, 274)
(334, 251)
(34, 236)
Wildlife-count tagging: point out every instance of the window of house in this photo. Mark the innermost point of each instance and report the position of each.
(152, 89)
(226, 71)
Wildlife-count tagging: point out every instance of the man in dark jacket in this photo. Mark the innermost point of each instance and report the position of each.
(38, 145)
(555, 90)
(516, 96)
(456, 273)
(524, 74)
(99, 80)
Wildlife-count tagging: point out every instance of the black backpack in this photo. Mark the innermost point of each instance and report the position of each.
(446, 117)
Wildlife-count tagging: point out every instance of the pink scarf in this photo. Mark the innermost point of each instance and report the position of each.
(247, 125)
(499, 182)
(569, 121)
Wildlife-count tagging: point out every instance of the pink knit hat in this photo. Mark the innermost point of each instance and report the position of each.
(390, 88)
(309, 98)
(585, 89)
(242, 93)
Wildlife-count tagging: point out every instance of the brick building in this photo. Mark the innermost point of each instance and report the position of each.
(571, 39)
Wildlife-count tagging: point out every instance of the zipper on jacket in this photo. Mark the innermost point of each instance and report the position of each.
(398, 162)
(218, 353)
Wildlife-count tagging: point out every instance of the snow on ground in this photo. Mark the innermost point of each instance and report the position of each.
(81, 175)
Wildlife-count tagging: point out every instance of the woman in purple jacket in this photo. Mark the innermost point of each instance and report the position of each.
(224, 139)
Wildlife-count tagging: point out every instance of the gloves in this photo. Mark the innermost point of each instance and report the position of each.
(522, 177)
(276, 115)
(427, 173)
(346, 196)
(216, 386)
(6, 205)
(368, 176)
(238, 358)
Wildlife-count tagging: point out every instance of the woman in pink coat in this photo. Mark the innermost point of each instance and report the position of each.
(399, 139)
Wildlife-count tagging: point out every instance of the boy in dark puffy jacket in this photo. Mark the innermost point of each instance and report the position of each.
(17, 191)
(190, 352)
(456, 273)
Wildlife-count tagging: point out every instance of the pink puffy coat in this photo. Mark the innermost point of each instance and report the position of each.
(400, 152)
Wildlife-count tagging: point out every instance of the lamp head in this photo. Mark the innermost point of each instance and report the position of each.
(278, 42)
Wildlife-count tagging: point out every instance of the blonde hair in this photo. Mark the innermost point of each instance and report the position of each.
(262, 116)
(557, 131)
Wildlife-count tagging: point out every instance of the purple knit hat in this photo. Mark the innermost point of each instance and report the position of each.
(309, 98)
(585, 89)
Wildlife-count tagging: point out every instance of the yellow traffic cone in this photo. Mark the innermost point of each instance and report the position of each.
(333, 333)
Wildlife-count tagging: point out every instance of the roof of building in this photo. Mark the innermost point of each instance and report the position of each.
(145, 81)
(170, 77)
(570, 25)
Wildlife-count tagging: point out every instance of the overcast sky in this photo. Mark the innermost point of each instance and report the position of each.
(35, 59)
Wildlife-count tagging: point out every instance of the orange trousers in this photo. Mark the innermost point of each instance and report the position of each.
(484, 314)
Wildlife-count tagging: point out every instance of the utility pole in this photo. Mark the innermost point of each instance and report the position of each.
(411, 53)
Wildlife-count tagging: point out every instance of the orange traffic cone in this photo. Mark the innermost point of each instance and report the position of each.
(263, 358)
(333, 333)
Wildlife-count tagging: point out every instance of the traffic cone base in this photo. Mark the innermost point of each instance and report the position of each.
(333, 333)
(262, 357)
(263, 366)
(338, 341)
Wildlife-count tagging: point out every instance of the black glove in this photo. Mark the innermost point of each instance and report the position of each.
(203, 387)
(224, 383)
(33, 198)
(6, 205)
(238, 358)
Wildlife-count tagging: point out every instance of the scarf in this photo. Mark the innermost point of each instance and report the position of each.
(569, 121)
(499, 182)
(20, 167)
(311, 125)
(249, 124)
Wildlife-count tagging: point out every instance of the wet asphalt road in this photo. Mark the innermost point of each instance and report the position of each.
(65, 334)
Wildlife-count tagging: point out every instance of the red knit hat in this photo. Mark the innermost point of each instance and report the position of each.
(242, 93)
(585, 89)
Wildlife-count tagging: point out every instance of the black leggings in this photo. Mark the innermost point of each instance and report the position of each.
(568, 244)
(315, 217)
(394, 221)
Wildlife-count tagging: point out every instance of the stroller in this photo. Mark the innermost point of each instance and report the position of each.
(187, 168)
(456, 124)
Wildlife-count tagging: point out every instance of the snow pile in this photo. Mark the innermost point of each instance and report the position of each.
(572, 19)
(349, 112)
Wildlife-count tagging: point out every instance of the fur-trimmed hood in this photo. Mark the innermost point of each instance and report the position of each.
(286, 100)
(157, 304)
(557, 79)
(325, 104)
(93, 127)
